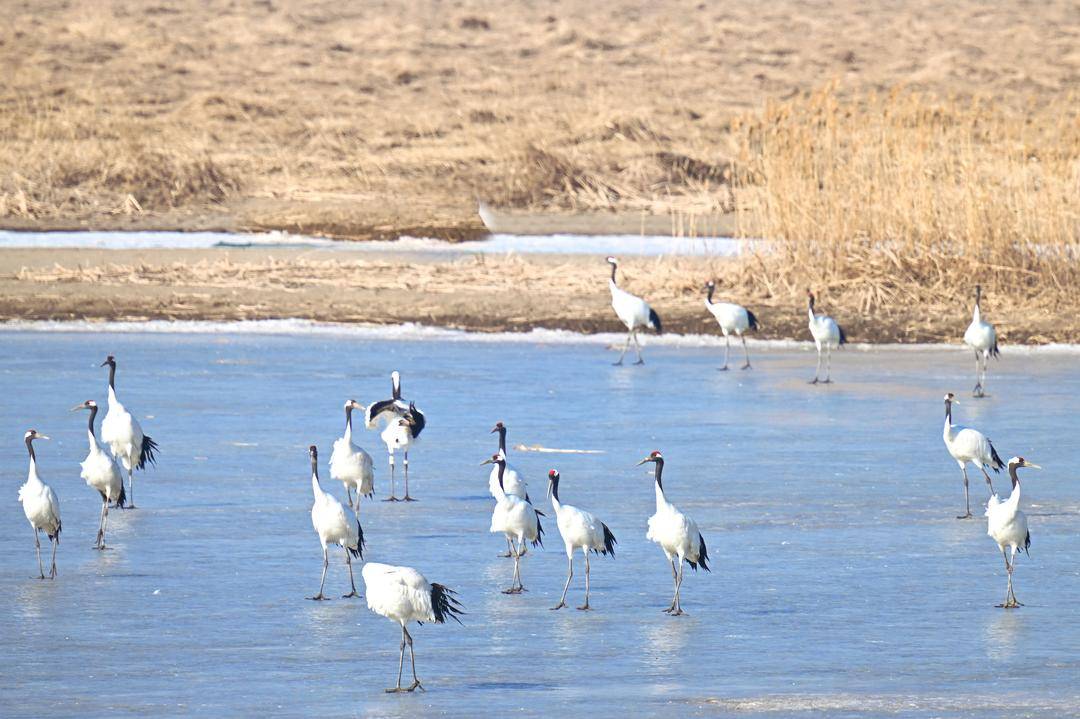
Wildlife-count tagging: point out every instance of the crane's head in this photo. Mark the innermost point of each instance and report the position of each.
(810, 297)
(950, 398)
(32, 434)
(612, 261)
(654, 456)
(313, 452)
(88, 404)
(495, 459)
(710, 285)
(1021, 462)
(553, 475)
(353, 404)
(499, 427)
(110, 361)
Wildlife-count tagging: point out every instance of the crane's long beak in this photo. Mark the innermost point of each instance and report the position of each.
(1032, 465)
(487, 461)
(41, 436)
(493, 430)
(643, 461)
(103, 363)
(77, 407)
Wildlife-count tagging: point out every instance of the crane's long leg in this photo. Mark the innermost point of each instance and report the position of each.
(37, 546)
(131, 487)
(985, 367)
(978, 391)
(348, 493)
(52, 570)
(989, 482)
(746, 353)
(585, 606)
(828, 364)
(678, 592)
(637, 347)
(509, 549)
(1012, 594)
(967, 500)
(99, 543)
(407, 497)
(515, 585)
(400, 664)
(817, 371)
(412, 656)
(675, 581)
(322, 582)
(623, 353)
(352, 581)
(393, 491)
(727, 351)
(569, 576)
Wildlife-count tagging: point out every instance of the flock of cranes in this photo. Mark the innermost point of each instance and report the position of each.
(638, 315)
(403, 594)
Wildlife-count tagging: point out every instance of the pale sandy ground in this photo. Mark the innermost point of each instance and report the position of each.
(484, 293)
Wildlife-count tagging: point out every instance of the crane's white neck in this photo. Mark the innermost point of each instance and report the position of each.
(112, 396)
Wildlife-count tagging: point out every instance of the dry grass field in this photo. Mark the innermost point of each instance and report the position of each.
(900, 151)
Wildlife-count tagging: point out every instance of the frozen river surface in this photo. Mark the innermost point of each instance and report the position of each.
(841, 583)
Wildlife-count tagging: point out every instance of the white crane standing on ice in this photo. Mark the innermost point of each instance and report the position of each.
(101, 473)
(335, 525)
(404, 423)
(969, 445)
(1007, 525)
(124, 437)
(981, 337)
(404, 595)
(517, 520)
(579, 530)
(351, 465)
(41, 506)
(827, 335)
(731, 318)
(633, 311)
(676, 534)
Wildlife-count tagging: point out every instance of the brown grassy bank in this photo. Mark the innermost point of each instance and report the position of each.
(378, 119)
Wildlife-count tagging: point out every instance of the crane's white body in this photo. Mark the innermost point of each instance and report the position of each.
(41, 507)
(982, 338)
(398, 593)
(404, 595)
(122, 433)
(677, 534)
(633, 312)
(101, 472)
(733, 319)
(351, 465)
(969, 445)
(579, 530)
(827, 336)
(335, 524)
(403, 423)
(518, 521)
(1007, 525)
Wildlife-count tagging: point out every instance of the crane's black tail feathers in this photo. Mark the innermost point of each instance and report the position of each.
(1027, 543)
(654, 320)
(122, 499)
(994, 352)
(609, 541)
(444, 605)
(996, 464)
(702, 558)
(843, 337)
(539, 541)
(56, 536)
(359, 551)
(752, 319)
(148, 453)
